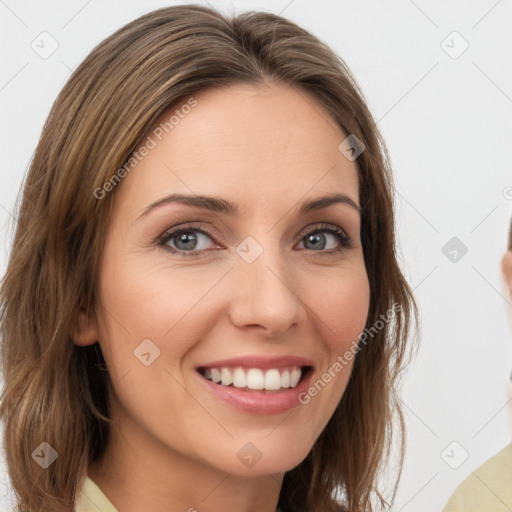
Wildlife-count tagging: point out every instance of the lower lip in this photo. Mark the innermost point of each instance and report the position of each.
(259, 401)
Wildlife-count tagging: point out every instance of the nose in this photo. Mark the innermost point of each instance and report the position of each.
(263, 295)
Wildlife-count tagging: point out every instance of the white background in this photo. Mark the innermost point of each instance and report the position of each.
(448, 125)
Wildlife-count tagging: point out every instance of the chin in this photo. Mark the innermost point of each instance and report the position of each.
(273, 455)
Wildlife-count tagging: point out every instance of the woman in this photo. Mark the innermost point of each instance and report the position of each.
(256, 371)
(489, 487)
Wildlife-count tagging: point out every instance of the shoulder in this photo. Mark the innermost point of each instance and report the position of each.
(487, 488)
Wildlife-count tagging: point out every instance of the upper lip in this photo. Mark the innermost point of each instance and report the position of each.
(259, 361)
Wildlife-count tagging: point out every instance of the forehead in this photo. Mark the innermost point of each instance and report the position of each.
(272, 143)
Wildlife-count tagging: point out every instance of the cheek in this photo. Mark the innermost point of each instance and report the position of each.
(343, 308)
(140, 302)
(342, 311)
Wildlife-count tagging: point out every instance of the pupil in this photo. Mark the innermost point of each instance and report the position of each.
(315, 239)
(186, 237)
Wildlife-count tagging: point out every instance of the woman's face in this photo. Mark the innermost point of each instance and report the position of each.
(506, 265)
(263, 282)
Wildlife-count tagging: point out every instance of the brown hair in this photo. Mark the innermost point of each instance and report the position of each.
(56, 391)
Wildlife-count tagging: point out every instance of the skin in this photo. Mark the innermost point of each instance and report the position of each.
(506, 267)
(267, 149)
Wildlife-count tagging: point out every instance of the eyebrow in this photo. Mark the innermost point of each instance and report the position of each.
(220, 205)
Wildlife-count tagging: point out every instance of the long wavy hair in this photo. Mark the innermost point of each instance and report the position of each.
(57, 392)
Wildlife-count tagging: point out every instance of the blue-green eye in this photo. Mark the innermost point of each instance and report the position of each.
(318, 240)
(185, 240)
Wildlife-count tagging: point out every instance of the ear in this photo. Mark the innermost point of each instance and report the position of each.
(86, 331)
(506, 267)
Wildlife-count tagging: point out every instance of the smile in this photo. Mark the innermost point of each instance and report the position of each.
(257, 384)
(269, 379)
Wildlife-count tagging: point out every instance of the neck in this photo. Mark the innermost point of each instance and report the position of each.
(137, 472)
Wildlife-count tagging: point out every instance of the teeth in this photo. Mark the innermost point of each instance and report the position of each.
(215, 375)
(254, 378)
(273, 379)
(285, 379)
(239, 378)
(225, 376)
(294, 377)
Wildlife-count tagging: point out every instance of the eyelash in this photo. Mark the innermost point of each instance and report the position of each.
(346, 241)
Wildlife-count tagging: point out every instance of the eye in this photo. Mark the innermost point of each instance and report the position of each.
(190, 240)
(185, 239)
(318, 240)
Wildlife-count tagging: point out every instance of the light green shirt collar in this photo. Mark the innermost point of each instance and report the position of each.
(91, 499)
